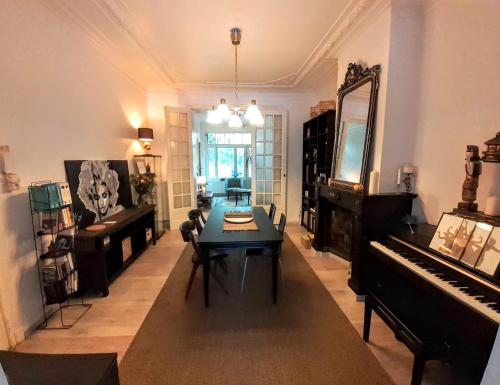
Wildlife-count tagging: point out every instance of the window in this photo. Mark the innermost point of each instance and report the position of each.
(228, 154)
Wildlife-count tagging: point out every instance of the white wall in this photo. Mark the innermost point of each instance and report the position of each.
(58, 101)
(459, 101)
(296, 104)
(370, 46)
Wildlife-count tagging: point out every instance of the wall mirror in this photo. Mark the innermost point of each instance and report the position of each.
(357, 99)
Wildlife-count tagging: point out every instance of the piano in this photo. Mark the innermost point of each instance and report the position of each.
(446, 303)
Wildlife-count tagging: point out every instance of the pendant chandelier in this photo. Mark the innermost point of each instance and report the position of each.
(229, 113)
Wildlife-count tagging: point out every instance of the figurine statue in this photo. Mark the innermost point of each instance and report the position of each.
(473, 169)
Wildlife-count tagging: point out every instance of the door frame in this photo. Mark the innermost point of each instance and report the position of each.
(175, 213)
(284, 158)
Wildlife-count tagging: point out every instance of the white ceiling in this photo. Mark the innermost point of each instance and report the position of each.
(192, 36)
(165, 44)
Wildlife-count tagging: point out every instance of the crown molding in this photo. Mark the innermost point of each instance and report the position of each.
(120, 20)
(356, 15)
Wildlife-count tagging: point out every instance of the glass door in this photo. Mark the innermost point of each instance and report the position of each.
(180, 165)
(269, 184)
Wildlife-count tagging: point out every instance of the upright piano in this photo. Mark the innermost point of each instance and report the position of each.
(450, 303)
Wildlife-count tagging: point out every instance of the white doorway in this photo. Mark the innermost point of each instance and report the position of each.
(256, 155)
(270, 144)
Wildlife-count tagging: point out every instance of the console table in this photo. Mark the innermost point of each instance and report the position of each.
(102, 255)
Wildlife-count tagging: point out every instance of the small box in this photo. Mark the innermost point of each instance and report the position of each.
(149, 234)
(126, 248)
(322, 106)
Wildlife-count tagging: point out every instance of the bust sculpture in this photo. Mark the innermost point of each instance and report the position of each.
(473, 169)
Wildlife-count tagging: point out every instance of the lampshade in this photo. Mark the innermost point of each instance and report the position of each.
(145, 134)
(223, 110)
(235, 121)
(257, 120)
(252, 111)
(201, 179)
(213, 117)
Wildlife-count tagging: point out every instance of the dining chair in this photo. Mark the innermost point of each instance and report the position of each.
(195, 215)
(272, 212)
(187, 229)
(265, 252)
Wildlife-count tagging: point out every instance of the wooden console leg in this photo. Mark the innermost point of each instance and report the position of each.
(418, 370)
(367, 320)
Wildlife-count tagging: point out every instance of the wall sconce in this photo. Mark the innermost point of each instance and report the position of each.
(492, 153)
(406, 178)
(145, 136)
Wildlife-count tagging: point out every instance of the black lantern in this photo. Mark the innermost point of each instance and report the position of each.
(492, 153)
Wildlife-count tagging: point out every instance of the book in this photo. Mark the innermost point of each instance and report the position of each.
(65, 193)
(45, 197)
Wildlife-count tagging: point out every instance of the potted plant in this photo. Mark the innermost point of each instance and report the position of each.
(144, 185)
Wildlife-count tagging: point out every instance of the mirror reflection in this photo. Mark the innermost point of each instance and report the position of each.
(352, 134)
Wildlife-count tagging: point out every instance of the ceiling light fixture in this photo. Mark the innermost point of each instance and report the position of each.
(229, 113)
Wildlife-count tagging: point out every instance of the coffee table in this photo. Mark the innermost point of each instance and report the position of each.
(239, 192)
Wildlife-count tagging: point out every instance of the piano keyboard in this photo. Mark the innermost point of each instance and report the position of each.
(407, 256)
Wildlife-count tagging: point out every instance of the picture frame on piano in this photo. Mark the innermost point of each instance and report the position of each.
(462, 239)
(489, 261)
(476, 243)
(446, 232)
(471, 242)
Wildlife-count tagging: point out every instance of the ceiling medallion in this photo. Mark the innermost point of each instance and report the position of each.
(232, 114)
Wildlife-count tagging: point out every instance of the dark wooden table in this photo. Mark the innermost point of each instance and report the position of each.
(214, 237)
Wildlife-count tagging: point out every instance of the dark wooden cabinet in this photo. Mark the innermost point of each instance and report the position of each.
(103, 255)
(346, 219)
(317, 152)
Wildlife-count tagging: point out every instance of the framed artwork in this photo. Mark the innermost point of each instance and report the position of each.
(476, 243)
(463, 235)
(446, 233)
(99, 189)
(489, 261)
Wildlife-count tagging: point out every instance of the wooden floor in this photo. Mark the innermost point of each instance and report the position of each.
(112, 322)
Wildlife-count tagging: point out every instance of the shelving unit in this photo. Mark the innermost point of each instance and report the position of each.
(53, 233)
(152, 164)
(318, 143)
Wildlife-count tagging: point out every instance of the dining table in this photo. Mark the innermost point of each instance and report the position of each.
(215, 237)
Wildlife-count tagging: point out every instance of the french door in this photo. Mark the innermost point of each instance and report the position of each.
(180, 181)
(269, 163)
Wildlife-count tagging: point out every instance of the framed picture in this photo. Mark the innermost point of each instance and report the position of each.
(476, 243)
(489, 261)
(99, 189)
(462, 239)
(446, 233)
(141, 166)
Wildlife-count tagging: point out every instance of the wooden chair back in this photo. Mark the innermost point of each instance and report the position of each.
(272, 212)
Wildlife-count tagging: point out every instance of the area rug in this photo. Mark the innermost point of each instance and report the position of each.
(224, 202)
(304, 339)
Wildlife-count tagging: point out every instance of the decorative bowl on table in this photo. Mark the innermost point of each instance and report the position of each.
(238, 217)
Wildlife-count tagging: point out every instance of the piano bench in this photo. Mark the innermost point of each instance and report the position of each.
(422, 349)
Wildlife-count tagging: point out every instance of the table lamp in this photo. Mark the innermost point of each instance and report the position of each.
(201, 181)
(145, 136)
